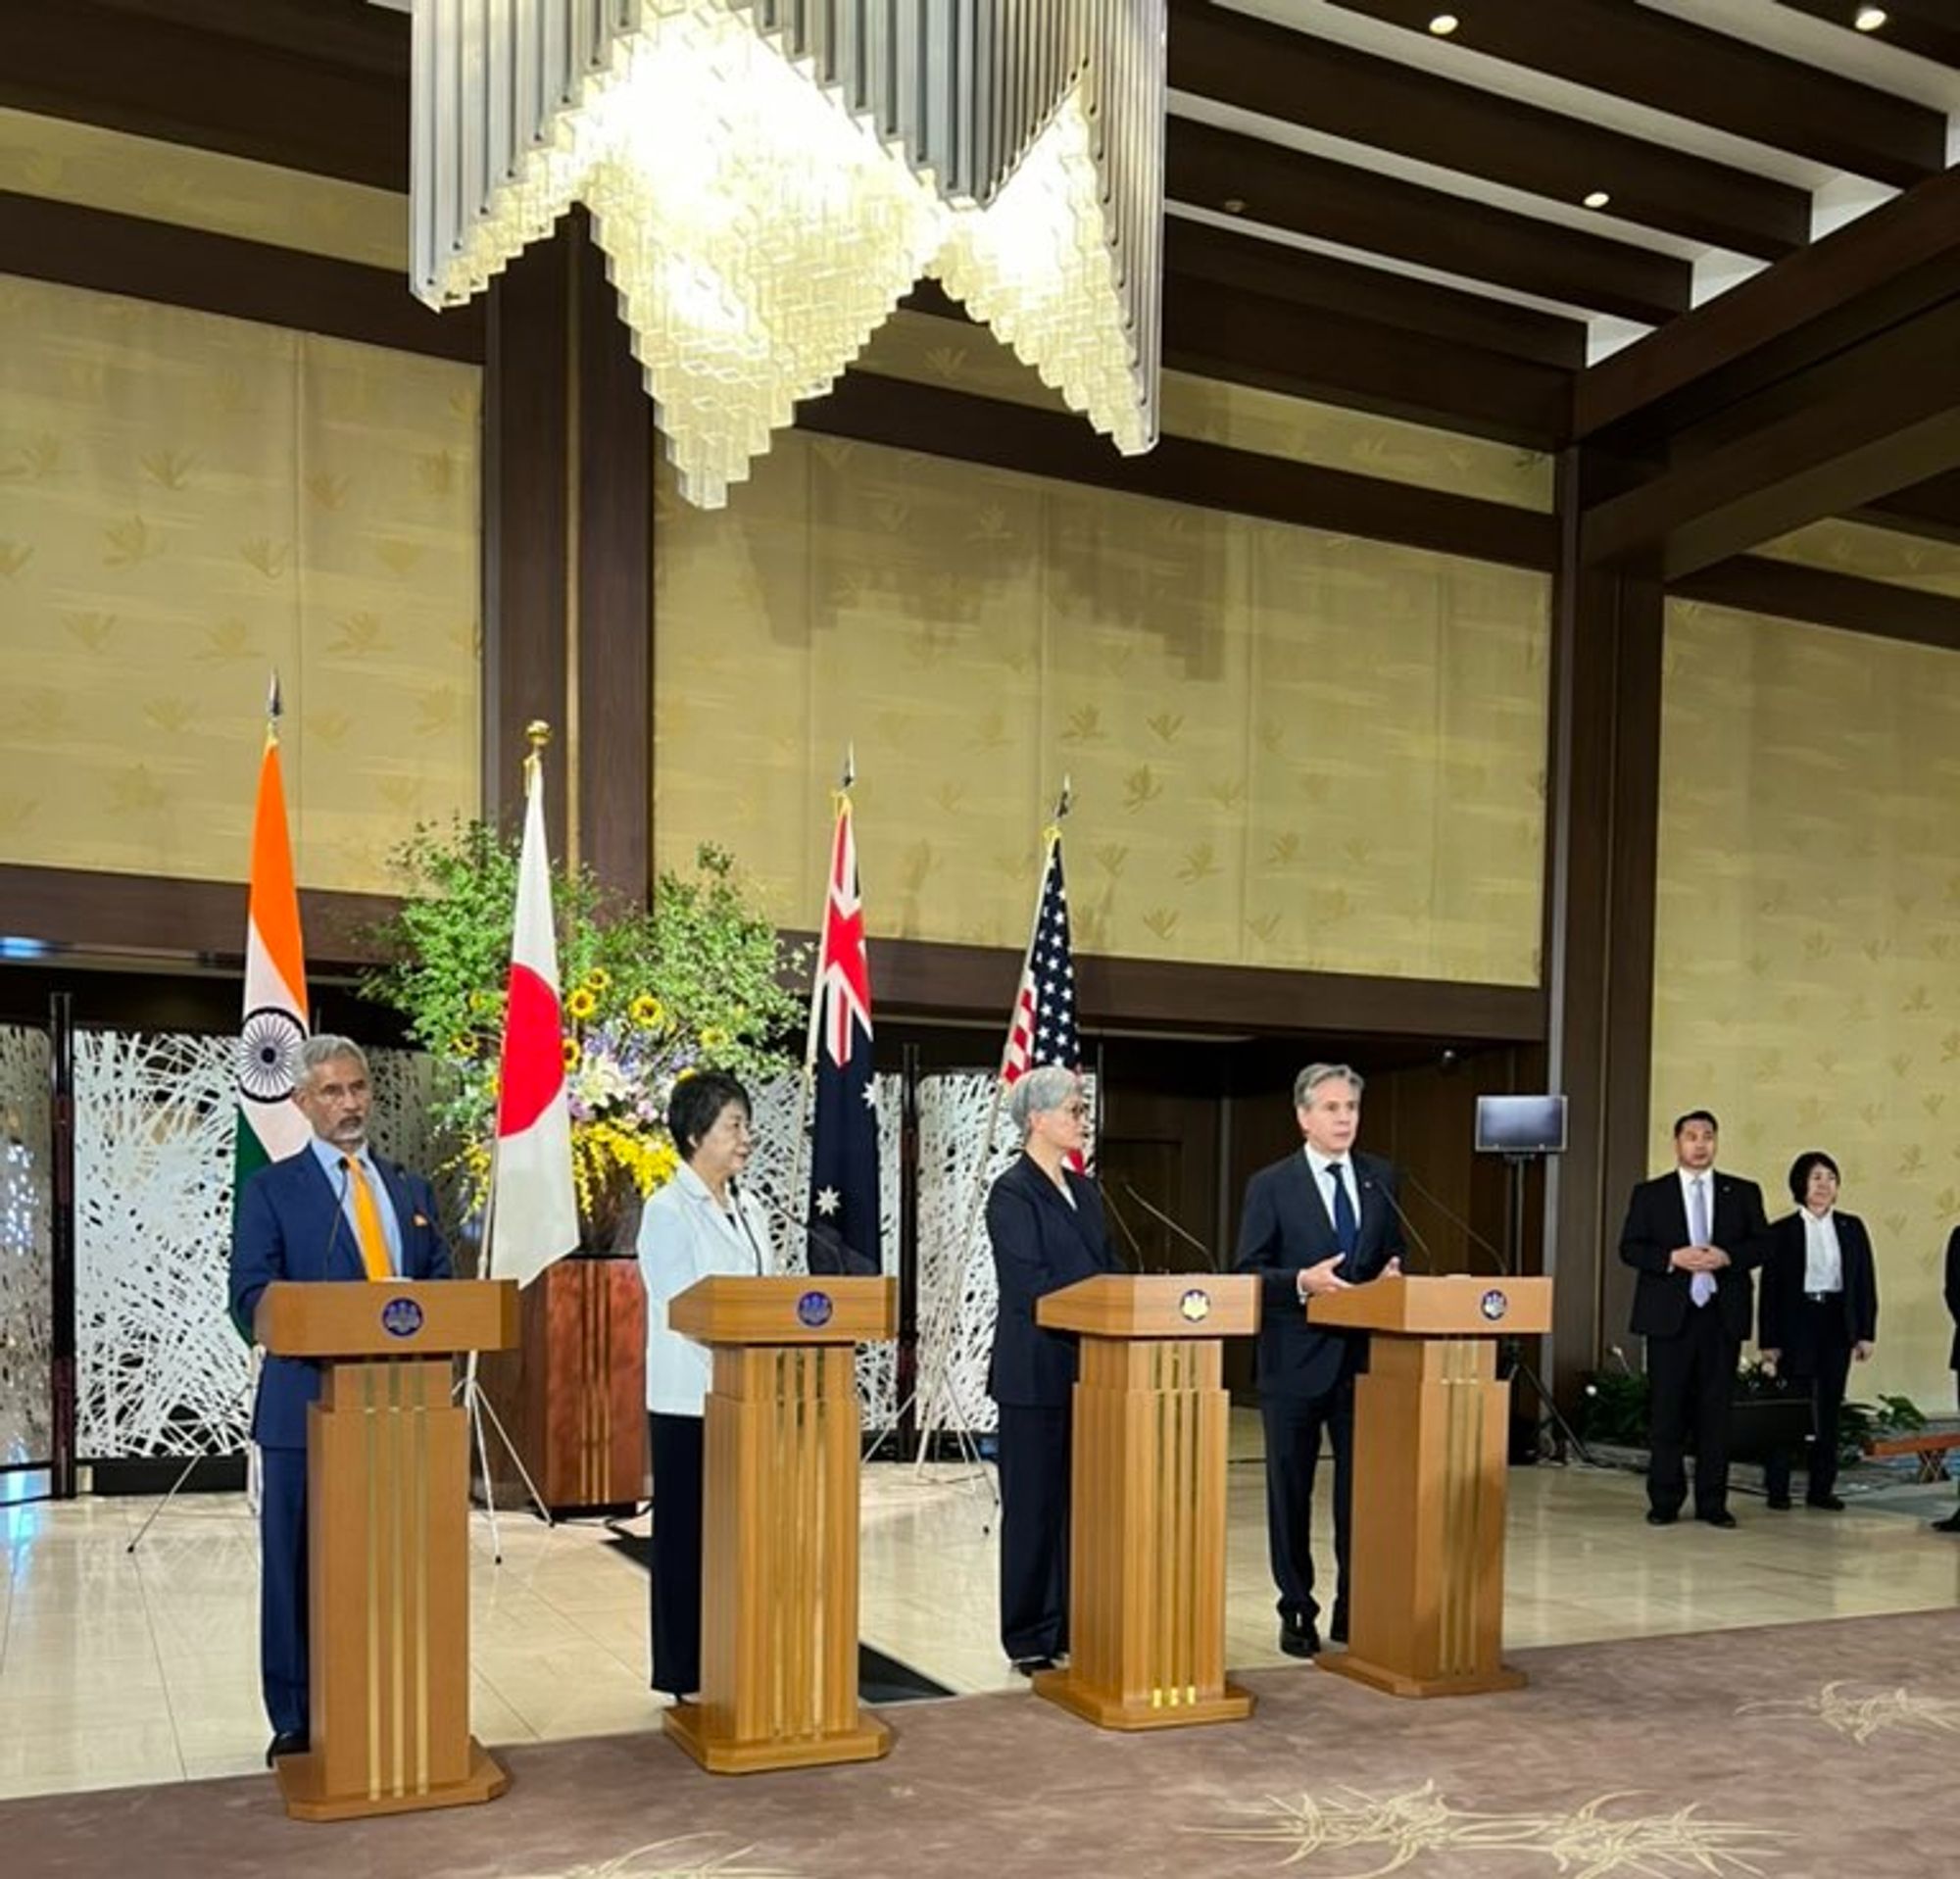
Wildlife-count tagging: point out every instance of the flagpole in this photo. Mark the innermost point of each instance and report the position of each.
(469, 1392)
(944, 1321)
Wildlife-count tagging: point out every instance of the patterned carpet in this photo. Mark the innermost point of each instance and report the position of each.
(1791, 1752)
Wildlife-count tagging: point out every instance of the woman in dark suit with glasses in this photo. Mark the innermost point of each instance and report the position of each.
(1820, 1310)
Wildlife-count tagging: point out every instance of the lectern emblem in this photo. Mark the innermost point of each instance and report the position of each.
(1195, 1305)
(1494, 1305)
(401, 1318)
(814, 1311)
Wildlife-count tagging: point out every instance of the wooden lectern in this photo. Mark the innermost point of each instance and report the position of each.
(387, 1542)
(779, 1546)
(1146, 1565)
(1426, 1607)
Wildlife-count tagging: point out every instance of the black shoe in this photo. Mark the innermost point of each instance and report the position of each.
(1337, 1632)
(1030, 1666)
(1722, 1518)
(1778, 1503)
(286, 1744)
(1825, 1502)
(1299, 1640)
(1657, 1518)
(1951, 1524)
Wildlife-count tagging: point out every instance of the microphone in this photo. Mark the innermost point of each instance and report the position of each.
(1468, 1231)
(339, 1215)
(1190, 1239)
(1371, 1185)
(841, 1259)
(1110, 1205)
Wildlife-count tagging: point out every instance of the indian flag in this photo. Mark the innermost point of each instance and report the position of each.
(270, 1125)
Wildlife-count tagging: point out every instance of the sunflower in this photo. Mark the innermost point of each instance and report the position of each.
(714, 1038)
(599, 980)
(648, 1011)
(463, 1044)
(573, 1052)
(582, 1003)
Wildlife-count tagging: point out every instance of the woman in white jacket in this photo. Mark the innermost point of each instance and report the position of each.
(699, 1223)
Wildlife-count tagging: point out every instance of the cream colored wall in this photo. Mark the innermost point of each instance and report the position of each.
(186, 503)
(1807, 979)
(1289, 748)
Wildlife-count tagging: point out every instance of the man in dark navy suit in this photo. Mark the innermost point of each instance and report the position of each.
(1045, 1223)
(335, 1211)
(1317, 1222)
(1695, 1235)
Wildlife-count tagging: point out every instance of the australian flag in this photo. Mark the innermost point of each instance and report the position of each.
(843, 1212)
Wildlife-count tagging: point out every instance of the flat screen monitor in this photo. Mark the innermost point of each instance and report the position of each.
(1520, 1125)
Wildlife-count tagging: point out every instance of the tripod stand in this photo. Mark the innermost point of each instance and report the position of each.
(1511, 1363)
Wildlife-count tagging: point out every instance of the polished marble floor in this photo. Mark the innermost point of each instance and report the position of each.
(118, 1669)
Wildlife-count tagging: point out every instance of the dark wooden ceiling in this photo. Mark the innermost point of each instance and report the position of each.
(1367, 211)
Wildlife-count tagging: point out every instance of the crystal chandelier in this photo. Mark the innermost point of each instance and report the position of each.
(767, 177)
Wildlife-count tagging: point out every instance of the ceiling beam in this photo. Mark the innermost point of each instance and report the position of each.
(1864, 258)
(1258, 65)
(1930, 510)
(1211, 168)
(1199, 251)
(1788, 590)
(1928, 27)
(1889, 417)
(1630, 51)
(155, 78)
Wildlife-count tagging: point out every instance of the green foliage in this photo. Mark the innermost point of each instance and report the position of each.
(1615, 1411)
(699, 982)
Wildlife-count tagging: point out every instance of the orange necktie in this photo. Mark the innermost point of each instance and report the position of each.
(367, 1227)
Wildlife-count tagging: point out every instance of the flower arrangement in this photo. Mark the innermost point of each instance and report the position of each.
(649, 996)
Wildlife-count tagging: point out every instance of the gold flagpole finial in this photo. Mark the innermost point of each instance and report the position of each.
(537, 733)
(850, 766)
(273, 707)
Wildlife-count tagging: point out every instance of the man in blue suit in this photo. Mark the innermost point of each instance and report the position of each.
(335, 1211)
(1316, 1223)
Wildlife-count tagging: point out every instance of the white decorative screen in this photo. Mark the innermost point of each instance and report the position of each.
(779, 1169)
(161, 1368)
(27, 1279)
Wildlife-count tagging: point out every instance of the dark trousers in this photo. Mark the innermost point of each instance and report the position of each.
(1034, 1461)
(1691, 1381)
(282, 1588)
(1294, 1426)
(1825, 1366)
(675, 1443)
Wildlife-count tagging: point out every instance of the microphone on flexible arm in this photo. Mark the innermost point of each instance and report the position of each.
(842, 1260)
(339, 1215)
(1212, 1263)
(1110, 1208)
(1468, 1231)
(1370, 1185)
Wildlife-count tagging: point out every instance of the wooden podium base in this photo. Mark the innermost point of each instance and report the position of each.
(302, 1786)
(1343, 1664)
(1092, 1706)
(687, 1723)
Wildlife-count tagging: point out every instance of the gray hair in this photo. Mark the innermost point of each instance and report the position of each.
(318, 1051)
(1038, 1091)
(1316, 1074)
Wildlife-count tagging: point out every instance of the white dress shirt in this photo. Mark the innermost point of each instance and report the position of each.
(1823, 1258)
(1324, 1178)
(685, 1235)
(1688, 1180)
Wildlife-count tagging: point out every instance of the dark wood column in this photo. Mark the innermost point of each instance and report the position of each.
(567, 553)
(1602, 804)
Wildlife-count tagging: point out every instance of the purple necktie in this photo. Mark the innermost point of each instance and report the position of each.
(1702, 1287)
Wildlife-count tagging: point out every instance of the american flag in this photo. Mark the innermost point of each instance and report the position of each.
(1042, 1029)
(843, 1215)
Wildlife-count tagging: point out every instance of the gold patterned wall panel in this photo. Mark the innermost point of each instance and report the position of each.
(187, 502)
(1807, 976)
(96, 167)
(927, 350)
(1288, 748)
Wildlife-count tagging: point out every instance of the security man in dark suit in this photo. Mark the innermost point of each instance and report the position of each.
(1693, 1235)
(333, 1211)
(1951, 1523)
(1045, 1222)
(1820, 1310)
(1317, 1222)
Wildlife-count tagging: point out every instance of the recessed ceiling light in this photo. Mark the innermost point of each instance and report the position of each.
(1870, 19)
(1598, 199)
(1234, 205)
(1445, 23)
